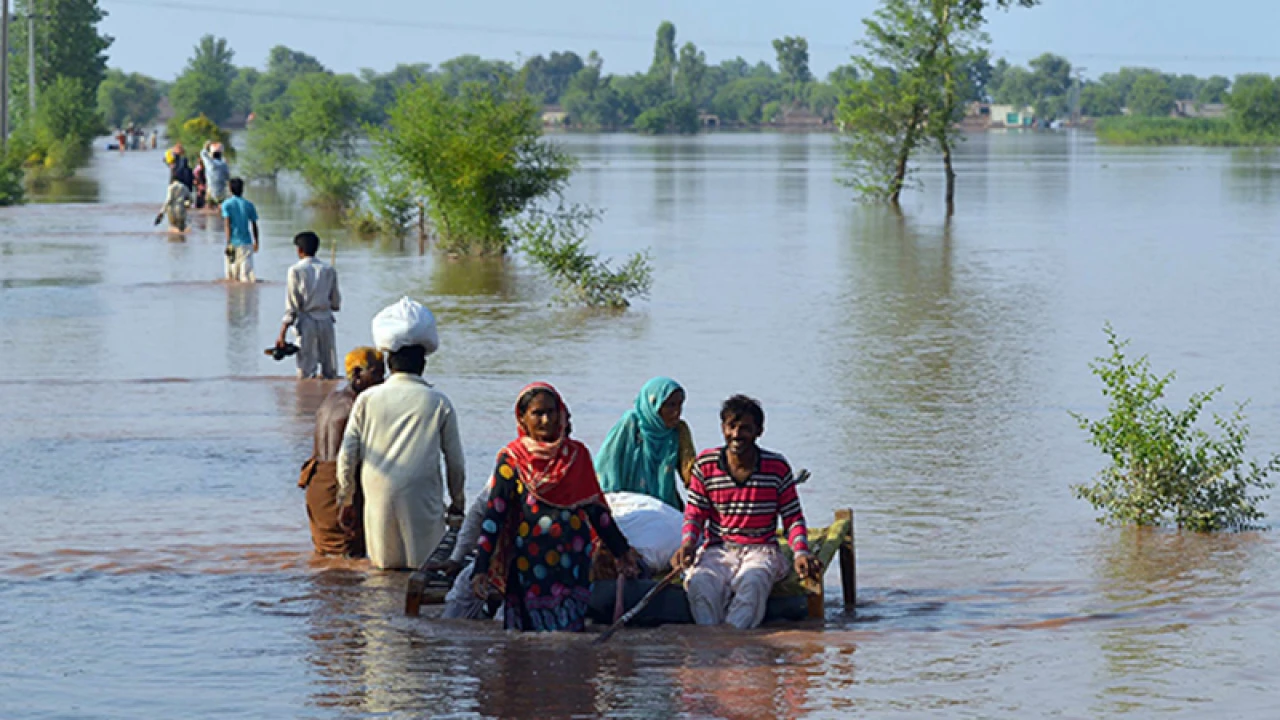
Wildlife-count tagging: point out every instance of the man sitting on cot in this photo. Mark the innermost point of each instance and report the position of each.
(736, 494)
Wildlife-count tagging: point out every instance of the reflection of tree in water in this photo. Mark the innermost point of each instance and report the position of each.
(929, 364)
(1253, 176)
(1164, 585)
(794, 166)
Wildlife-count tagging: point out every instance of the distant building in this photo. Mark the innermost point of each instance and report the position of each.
(554, 116)
(1193, 109)
(1010, 116)
(707, 121)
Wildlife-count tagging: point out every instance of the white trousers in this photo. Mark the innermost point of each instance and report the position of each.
(241, 269)
(730, 583)
(316, 348)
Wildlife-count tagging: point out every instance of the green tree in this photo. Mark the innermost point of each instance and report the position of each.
(1017, 87)
(284, 65)
(744, 99)
(691, 69)
(1214, 90)
(1099, 100)
(313, 130)
(793, 61)
(125, 99)
(241, 90)
(664, 52)
(69, 45)
(957, 30)
(547, 79)
(1254, 102)
(477, 156)
(466, 69)
(56, 139)
(1151, 96)
(1051, 80)
(204, 87)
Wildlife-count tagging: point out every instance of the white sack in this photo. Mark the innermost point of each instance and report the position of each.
(650, 525)
(406, 323)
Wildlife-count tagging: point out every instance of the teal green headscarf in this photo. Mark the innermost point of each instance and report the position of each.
(640, 453)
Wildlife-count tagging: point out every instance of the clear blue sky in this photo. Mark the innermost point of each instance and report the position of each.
(156, 36)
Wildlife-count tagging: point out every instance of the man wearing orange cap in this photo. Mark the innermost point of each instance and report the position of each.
(320, 474)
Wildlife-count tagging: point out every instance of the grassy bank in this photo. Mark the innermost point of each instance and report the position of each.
(1179, 131)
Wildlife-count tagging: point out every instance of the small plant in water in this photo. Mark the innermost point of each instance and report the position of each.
(556, 241)
(1164, 468)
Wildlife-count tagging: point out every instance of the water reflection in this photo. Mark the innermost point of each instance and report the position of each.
(244, 341)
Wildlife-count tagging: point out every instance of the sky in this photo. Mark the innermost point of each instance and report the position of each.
(156, 37)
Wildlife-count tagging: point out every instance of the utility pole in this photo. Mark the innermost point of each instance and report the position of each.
(1076, 87)
(4, 77)
(31, 58)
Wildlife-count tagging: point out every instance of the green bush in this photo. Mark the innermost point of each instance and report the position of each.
(1164, 468)
(477, 157)
(195, 132)
(556, 242)
(12, 190)
(1208, 132)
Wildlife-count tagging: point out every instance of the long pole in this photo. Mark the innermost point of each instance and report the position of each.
(4, 76)
(31, 59)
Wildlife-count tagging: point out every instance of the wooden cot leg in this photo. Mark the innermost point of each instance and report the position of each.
(413, 595)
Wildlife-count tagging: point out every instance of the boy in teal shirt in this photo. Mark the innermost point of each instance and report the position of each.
(242, 234)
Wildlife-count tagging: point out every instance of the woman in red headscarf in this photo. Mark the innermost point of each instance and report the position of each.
(535, 542)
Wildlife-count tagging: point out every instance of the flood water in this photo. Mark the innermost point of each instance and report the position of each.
(156, 560)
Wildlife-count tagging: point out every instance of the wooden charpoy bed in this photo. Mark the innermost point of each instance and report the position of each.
(791, 598)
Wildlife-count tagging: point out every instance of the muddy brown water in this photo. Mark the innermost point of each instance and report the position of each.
(156, 561)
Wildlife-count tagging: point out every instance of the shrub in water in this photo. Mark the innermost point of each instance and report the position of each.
(556, 241)
(1164, 468)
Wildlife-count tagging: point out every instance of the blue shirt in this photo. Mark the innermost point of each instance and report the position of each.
(239, 213)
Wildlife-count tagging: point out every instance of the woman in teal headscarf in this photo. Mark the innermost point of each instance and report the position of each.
(649, 446)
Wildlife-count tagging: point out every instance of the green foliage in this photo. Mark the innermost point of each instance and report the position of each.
(1254, 102)
(477, 157)
(68, 45)
(241, 90)
(673, 116)
(1214, 90)
(393, 197)
(1164, 467)
(1207, 132)
(793, 60)
(128, 99)
(56, 141)
(284, 65)
(547, 79)
(197, 131)
(556, 242)
(664, 52)
(1151, 96)
(204, 87)
(312, 130)
(12, 188)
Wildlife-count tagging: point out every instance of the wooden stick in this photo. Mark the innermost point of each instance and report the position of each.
(644, 601)
(848, 563)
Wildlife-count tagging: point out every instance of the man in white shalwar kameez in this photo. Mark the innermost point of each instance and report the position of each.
(311, 299)
(396, 436)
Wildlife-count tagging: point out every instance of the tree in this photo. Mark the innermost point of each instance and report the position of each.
(1051, 82)
(793, 61)
(313, 131)
(204, 87)
(1099, 100)
(472, 69)
(478, 157)
(691, 68)
(1151, 96)
(1017, 87)
(241, 90)
(284, 65)
(1214, 90)
(1254, 102)
(128, 99)
(69, 46)
(957, 29)
(548, 79)
(664, 52)
(909, 95)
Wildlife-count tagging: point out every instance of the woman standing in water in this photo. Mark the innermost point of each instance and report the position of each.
(649, 445)
(535, 541)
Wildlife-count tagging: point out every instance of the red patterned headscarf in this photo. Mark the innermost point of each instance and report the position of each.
(560, 472)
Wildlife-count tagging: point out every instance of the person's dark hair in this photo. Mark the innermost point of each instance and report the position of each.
(237, 186)
(522, 405)
(741, 406)
(410, 359)
(217, 155)
(308, 242)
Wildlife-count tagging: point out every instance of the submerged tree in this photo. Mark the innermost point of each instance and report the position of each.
(910, 90)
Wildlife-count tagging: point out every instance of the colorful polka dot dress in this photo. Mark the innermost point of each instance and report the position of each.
(549, 555)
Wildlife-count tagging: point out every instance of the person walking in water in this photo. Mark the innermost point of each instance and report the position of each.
(736, 493)
(242, 234)
(217, 173)
(176, 200)
(395, 438)
(311, 299)
(319, 477)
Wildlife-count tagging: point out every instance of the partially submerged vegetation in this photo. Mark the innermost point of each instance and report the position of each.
(1165, 468)
(1205, 132)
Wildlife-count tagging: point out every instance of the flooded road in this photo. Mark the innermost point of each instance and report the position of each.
(157, 562)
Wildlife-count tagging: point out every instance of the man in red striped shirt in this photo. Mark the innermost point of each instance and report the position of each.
(736, 494)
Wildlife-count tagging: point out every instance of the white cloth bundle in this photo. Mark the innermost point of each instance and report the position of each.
(650, 525)
(405, 323)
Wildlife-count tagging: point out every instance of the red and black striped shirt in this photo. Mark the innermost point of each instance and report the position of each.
(746, 513)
